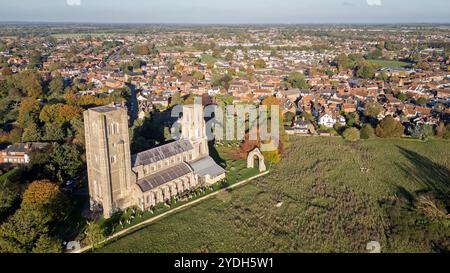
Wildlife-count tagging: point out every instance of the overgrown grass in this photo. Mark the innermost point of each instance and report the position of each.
(326, 195)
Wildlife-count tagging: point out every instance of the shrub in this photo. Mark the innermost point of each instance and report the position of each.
(389, 127)
(351, 134)
(367, 132)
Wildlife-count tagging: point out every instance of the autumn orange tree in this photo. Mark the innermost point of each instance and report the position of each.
(29, 228)
(44, 196)
(60, 113)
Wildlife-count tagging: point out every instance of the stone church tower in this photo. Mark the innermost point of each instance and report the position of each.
(108, 158)
(193, 128)
(119, 180)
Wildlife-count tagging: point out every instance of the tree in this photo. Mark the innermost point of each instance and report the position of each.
(53, 132)
(441, 129)
(198, 75)
(260, 64)
(343, 62)
(351, 134)
(224, 100)
(27, 230)
(28, 111)
(420, 131)
(20, 232)
(45, 197)
(94, 234)
(389, 127)
(8, 197)
(56, 86)
(421, 101)
(142, 49)
(31, 133)
(35, 60)
(288, 117)
(365, 70)
(47, 244)
(60, 113)
(372, 109)
(65, 161)
(352, 119)
(367, 132)
(272, 157)
(30, 81)
(401, 96)
(296, 80)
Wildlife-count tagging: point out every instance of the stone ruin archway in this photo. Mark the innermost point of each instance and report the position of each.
(256, 153)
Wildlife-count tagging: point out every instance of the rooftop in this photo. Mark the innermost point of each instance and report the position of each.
(161, 153)
(155, 180)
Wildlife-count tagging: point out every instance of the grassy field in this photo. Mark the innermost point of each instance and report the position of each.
(389, 63)
(318, 199)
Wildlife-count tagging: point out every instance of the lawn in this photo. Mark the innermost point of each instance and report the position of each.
(326, 195)
(389, 63)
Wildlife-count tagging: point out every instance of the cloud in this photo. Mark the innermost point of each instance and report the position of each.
(374, 3)
(73, 2)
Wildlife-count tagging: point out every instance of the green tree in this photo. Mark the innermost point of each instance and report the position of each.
(365, 70)
(296, 80)
(53, 132)
(8, 197)
(65, 161)
(288, 117)
(176, 99)
(367, 132)
(198, 75)
(421, 101)
(389, 127)
(47, 244)
(351, 134)
(343, 62)
(352, 119)
(372, 109)
(401, 96)
(260, 64)
(94, 234)
(31, 133)
(29, 110)
(56, 87)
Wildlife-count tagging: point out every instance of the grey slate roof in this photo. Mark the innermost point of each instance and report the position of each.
(161, 153)
(206, 166)
(155, 180)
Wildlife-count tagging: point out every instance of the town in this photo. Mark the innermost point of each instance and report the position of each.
(334, 84)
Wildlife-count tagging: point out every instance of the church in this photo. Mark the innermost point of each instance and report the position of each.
(119, 180)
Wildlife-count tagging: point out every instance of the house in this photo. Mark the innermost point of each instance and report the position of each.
(19, 153)
(329, 120)
(301, 127)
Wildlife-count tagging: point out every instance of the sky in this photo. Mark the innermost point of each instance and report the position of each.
(226, 11)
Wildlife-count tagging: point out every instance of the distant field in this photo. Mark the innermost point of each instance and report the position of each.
(389, 63)
(326, 203)
(79, 35)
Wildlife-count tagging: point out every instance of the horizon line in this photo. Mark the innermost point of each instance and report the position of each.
(224, 23)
